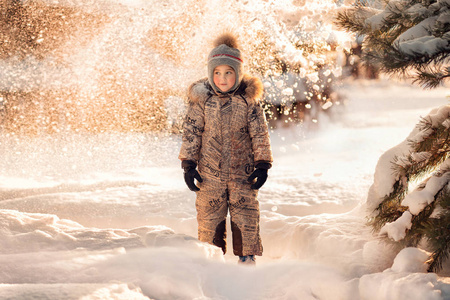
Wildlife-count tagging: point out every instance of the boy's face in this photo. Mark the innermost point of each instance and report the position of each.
(224, 77)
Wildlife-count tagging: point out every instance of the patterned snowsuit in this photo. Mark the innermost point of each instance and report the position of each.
(226, 136)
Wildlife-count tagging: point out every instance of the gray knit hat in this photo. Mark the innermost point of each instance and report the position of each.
(225, 53)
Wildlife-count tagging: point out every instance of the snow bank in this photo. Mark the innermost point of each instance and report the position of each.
(391, 285)
(27, 232)
(175, 274)
(330, 251)
(71, 291)
(79, 232)
(334, 240)
(406, 279)
(165, 266)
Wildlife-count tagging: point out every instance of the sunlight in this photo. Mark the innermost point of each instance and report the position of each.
(87, 66)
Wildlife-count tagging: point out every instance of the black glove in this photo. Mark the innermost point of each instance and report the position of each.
(190, 173)
(260, 174)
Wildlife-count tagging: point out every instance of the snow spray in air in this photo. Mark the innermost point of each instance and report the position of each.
(101, 66)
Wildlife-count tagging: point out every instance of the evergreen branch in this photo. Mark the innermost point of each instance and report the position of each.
(441, 254)
(395, 61)
(387, 215)
(396, 14)
(389, 209)
(437, 139)
(419, 60)
(353, 19)
(436, 144)
(432, 78)
(419, 225)
(438, 232)
(344, 20)
(420, 169)
(382, 40)
(382, 49)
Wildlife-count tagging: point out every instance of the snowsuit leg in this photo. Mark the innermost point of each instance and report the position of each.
(212, 209)
(212, 204)
(244, 212)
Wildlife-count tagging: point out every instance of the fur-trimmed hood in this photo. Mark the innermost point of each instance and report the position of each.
(251, 88)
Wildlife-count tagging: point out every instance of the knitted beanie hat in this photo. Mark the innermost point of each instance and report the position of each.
(225, 53)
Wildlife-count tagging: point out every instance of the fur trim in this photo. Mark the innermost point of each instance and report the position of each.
(198, 90)
(228, 39)
(254, 89)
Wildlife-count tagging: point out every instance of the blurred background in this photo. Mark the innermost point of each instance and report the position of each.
(99, 66)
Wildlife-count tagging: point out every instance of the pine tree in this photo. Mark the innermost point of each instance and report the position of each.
(408, 38)
(411, 39)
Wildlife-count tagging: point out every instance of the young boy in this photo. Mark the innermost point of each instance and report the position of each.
(225, 135)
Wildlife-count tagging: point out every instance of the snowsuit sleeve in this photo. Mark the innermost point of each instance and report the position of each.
(259, 133)
(193, 127)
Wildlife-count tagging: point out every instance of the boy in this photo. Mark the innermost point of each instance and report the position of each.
(225, 135)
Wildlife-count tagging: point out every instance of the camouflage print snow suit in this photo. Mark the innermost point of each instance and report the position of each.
(226, 135)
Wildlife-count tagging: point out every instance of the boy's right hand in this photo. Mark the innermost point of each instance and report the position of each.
(190, 173)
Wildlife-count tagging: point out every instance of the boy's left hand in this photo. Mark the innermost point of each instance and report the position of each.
(261, 177)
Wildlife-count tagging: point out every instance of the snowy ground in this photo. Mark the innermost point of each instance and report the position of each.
(109, 216)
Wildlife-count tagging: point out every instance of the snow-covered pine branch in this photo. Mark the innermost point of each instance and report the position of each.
(408, 38)
(401, 215)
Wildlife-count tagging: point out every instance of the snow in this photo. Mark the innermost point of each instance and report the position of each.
(375, 22)
(402, 154)
(426, 45)
(439, 115)
(423, 29)
(406, 279)
(422, 39)
(108, 216)
(392, 285)
(419, 199)
(416, 201)
(383, 184)
(411, 260)
(397, 230)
